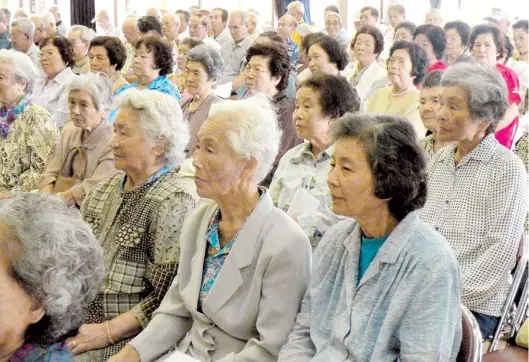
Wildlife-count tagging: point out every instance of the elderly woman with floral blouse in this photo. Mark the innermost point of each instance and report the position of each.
(27, 132)
(477, 189)
(137, 215)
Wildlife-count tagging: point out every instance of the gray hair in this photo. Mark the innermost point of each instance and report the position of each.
(57, 260)
(298, 6)
(21, 66)
(42, 23)
(98, 87)
(25, 25)
(487, 92)
(174, 18)
(87, 34)
(253, 18)
(48, 18)
(256, 132)
(160, 116)
(243, 15)
(20, 13)
(334, 14)
(209, 57)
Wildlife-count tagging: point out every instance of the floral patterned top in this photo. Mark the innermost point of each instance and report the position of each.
(36, 353)
(27, 149)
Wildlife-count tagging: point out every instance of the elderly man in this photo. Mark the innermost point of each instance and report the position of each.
(80, 36)
(234, 52)
(219, 21)
(61, 28)
(40, 29)
(20, 13)
(149, 26)
(434, 17)
(296, 9)
(334, 28)
(104, 24)
(22, 31)
(253, 25)
(132, 35)
(49, 22)
(193, 10)
(286, 27)
(4, 30)
(154, 12)
(198, 27)
(183, 32)
(170, 28)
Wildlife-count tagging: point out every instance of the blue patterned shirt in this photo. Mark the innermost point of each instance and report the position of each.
(35, 353)
(293, 53)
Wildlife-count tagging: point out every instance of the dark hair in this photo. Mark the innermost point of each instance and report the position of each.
(149, 23)
(334, 50)
(372, 11)
(508, 49)
(224, 14)
(191, 42)
(162, 53)
(308, 40)
(337, 96)
(332, 8)
(394, 156)
(278, 60)
(63, 45)
(273, 36)
(187, 14)
(419, 60)
(399, 8)
(375, 33)
(499, 39)
(433, 79)
(116, 52)
(521, 24)
(436, 36)
(462, 28)
(406, 25)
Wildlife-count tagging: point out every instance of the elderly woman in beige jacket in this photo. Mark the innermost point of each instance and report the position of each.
(244, 264)
(83, 157)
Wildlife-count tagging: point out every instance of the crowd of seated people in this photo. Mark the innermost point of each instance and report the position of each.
(188, 184)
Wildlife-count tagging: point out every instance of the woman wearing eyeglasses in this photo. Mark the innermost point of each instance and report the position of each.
(204, 66)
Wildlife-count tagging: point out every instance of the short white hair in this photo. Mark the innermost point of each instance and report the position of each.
(298, 6)
(22, 67)
(174, 18)
(243, 15)
(87, 34)
(55, 10)
(98, 87)
(160, 117)
(48, 18)
(255, 133)
(25, 25)
(20, 14)
(332, 13)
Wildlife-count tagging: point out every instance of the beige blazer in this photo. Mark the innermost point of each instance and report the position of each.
(251, 308)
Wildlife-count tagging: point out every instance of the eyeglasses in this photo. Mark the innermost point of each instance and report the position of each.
(195, 73)
(235, 27)
(195, 27)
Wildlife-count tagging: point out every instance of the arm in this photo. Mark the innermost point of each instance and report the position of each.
(48, 178)
(510, 114)
(275, 185)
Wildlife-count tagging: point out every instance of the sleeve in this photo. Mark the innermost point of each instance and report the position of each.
(284, 283)
(165, 253)
(513, 87)
(54, 167)
(505, 214)
(275, 185)
(41, 137)
(104, 170)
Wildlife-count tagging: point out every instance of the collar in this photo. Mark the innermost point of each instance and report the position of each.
(32, 49)
(483, 152)
(223, 33)
(246, 41)
(82, 62)
(93, 139)
(305, 153)
(64, 76)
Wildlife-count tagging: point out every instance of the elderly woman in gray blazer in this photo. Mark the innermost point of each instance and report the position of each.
(244, 264)
(385, 286)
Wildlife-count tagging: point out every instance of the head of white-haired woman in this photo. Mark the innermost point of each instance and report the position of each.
(17, 76)
(149, 133)
(236, 146)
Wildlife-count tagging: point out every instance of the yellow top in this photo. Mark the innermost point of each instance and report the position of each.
(296, 36)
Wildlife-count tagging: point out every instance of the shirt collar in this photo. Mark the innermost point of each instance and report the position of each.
(82, 62)
(32, 49)
(306, 154)
(64, 76)
(93, 139)
(244, 42)
(482, 152)
(223, 33)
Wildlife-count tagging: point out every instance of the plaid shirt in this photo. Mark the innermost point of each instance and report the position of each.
(139, 232)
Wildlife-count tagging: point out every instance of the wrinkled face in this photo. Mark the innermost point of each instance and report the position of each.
(454, 118)
(130, 31)
(258, 77)
(367, 19)
(181, 59)
(286, 27)
(40, 29)
(364, 49)
(429, 106)
(400, 68)
(51, 29)
(351, 182)
(403, 34)
(484, 49)
(332, 25)
(19, 39)
(83, 111)
(454, 43)
(99, 61)
(216, 21)
(197, 81)
(521, 40)
(433, 18)
(169, 27)
(308, 116)
(144, 64)
(18, 310)
(219, 169)
(80, 48)
(238, 29)
(10, 90)
(51, 60)
(196, 28)
(423, 41)
(395, 18)
(319, 61)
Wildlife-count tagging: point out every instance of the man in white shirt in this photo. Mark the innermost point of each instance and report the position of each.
(132, 35)
(22, 31)
(40, 29)
(170, 27)
(185, 16)
(105, 25)
(198, 27)
(219, 20)
(61, 28)
(80, 36)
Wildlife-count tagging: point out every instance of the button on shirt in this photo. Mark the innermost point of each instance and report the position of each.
(479, 206)
(224, 38)
(234, 56)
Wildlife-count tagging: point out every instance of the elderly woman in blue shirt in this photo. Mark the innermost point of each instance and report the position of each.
(384, 286)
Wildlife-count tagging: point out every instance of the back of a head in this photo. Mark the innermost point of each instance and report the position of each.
(334, 50)
(148, 24)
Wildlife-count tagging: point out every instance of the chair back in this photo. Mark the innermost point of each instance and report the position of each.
(470, 350)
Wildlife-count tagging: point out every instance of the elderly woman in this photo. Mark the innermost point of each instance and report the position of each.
(107, 55)
(369, 75)
(153, 62)
(80, 36)
(267, 72)
(521, 35)
(326, 56)
(404, 31)
(244, 265)
(383, 272)
(430, 103)
(27, 132)
(407, 66)
(179, 78)
(303, 170)
(56, 60)
(432, 40)
(137, 215)
(487, 45)
(83, 157)
(482, 213)
(204, 66)
(334, 28)
(457, 42)
(51, 267)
